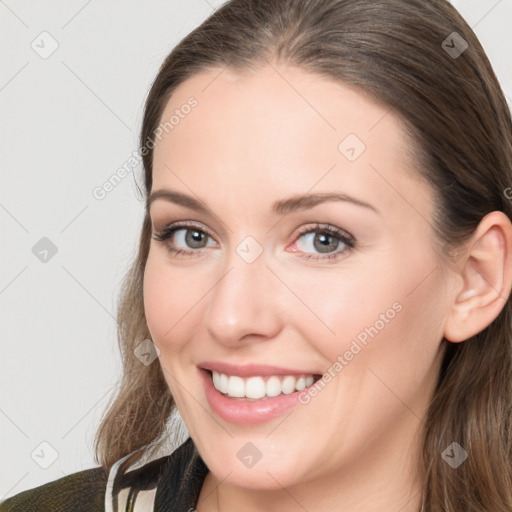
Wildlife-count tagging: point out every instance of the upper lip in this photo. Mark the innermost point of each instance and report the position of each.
(251, 370)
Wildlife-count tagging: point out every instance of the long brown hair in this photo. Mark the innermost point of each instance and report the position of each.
(400, 53)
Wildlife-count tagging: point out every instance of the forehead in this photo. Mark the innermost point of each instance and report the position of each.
(278, 106)
(280, 130)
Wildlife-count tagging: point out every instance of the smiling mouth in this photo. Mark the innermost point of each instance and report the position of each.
(260, 387)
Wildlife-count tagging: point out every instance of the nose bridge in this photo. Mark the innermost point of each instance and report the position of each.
(241, 302)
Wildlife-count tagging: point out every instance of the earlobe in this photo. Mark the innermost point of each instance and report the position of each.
(486, 279)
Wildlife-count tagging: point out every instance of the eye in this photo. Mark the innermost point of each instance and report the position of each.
(184, 239)
(331, 242)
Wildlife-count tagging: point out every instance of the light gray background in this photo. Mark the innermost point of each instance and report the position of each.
(69, 122)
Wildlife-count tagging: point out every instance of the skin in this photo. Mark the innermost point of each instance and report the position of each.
(262, 136)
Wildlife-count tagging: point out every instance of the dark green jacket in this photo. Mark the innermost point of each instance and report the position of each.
(170, 483)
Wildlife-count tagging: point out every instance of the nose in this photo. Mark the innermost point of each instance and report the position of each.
(244, 303)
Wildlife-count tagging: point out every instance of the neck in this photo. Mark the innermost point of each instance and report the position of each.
(381, 479)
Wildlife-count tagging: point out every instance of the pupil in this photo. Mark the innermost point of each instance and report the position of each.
(324, 245)
(194, 237)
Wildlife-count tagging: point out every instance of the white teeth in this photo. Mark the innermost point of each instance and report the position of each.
(301, 383)
(236, 386)
(255, 388)
(288, 384)
(220, 381)
(223, 384)
(258, 387)
(273, 386)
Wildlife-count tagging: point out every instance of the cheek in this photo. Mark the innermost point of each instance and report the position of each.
(166, 300)
(344, 306)
(169, 311)
(389, 316)
(174, 301)
(400, 340)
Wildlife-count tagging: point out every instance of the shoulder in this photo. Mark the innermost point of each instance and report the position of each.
(172, 481)
(83, 491)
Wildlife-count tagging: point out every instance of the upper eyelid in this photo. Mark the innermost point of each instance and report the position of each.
(182, 225)
(178, 226)
(328, 228)
(317, 227)
(161, 225)
(188, 225)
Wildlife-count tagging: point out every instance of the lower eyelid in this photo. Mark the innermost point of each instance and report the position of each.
(169, 232)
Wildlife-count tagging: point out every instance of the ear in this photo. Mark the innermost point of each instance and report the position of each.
(486, 272)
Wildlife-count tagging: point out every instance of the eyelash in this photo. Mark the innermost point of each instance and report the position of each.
(344, 237)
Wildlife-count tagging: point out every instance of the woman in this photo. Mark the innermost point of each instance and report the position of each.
(322, 288)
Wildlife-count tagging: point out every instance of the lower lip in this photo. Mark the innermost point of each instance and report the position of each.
(244, 412)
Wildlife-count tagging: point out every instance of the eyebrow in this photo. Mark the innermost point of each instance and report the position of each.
(281, 207)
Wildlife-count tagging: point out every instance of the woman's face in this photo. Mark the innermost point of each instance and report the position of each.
(260, 284)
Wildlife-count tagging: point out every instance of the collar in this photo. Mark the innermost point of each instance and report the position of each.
(171, 482)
